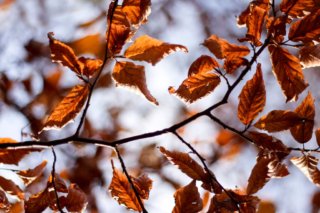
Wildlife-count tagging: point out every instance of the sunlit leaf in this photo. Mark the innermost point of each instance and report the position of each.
(28, 176)
(11, 188)
(93, 44)
(76, 200)
(39, 202)
(278, 120)
(144, 184)
(306, 29)
(202, 64)
(4, 202)
(288, 71)
(242, 18)
(151, 50)
(231, 64)
(68, 108)
(298, 8)
(187, 199)
(317, 133)
(310, 56)
(137, 11)
(308, 165)
(276, 27)
(222, 49)
(302, 132)
(252, 98)
(267, 142)
(128, 74)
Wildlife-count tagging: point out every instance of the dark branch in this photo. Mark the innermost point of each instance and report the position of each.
(53, 175)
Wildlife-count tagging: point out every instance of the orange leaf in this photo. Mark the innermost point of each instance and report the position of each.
(297, 8)
(122, 191)
(186, 164)
(222, 48)
(39, 202)
(137, 11)
(267, 142)
(278, 120)
(266, 207)
(306, 110)
(90, 66)
(68, 108)
(13, 156)
(318, 136)
(187, 199)
(118, 32)
(308, 165)
(242, 19)
(254, 23)
(4, 202)
(203, 64)
(28, 176)
(310, 56)
(306, 29)
(76, 200)
(93, 44)
(197, 85)
(151, 50)
(128, 74)
(143, 184)
(11, 188)
(277, 27)
(231, 64)
(252, 98)
(288, 71)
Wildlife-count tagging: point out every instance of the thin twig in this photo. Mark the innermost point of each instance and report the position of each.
(53, 176)
(130, 181)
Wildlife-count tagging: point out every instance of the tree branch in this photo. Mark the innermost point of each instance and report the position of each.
(53, 175)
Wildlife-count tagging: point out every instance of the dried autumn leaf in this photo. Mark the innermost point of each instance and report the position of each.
(11, 188)
(76, 200)
(306, 29)
(144, 184)
(93, 44)
(185, 163)
(278, 120)
(13, 156)
(252, 98)
(196, 86)
(222, 49)
(288, 71)
(232, 64)
(308, 165)
(266, 207)
(302, 132)
(267, 142)
(317, 133)
(133, 76)
(242, 18)
(298, 8)
(68, 108)
(202, 64)
(137, 11)
(90, 66)
(151, 50)
(28, 176)
(122, 191)
(310, 56)
(4, 202)
(187, 199)
(254, 22)
(222, 203)
(39, 202)
(276, 27)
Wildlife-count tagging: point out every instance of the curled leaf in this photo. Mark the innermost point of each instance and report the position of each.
(308, 165)
(137, 11)
(11, 188)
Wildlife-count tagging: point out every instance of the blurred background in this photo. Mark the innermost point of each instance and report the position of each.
(31, 85)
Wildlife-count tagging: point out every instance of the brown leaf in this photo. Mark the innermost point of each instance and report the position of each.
(242, 19)
(143, 184)
(11, 188)
(90, 66)
(317, 133)
(278, 120)
(68, 108)
(93, 44)
(4, 202)
(133, 76)
(254, 22)
(308, 165)
(306, 29)
(202, 64)
(222, 49)
(186, 164)
(267, 142)
(298, 8)
(252, 98)
(266, 207)
(76, 200)
(288, 71)
(302, 132)
(122, 191)
(316, 202)
(39, 202)
(231, 64)
(276, 27)
(28, 176)
(118, 32)
(137, 11)
(146, 48)
(310, 56)
(196, 86)
(13, 156)
(187, 199)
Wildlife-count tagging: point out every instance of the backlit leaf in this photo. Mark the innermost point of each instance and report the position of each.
(187, 199)
(276, 27)
(28, 176)
(288, 71)
(11, 188)
(76, 200)
(122, 191)
(252, 98)
(143, 184)
(298, 8)
(4, 202)
(128, 74)
(308, 165)
(203, 64)
(306, 29)
(242, 18)
(317, 133)
(302, 132)
(267, 142)
(68, 108)
(278, 120)
(232, 64)
(137, 11)
(151, 50)
(222, 49)
(310, 56)
(13, 156)
(93, 44)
